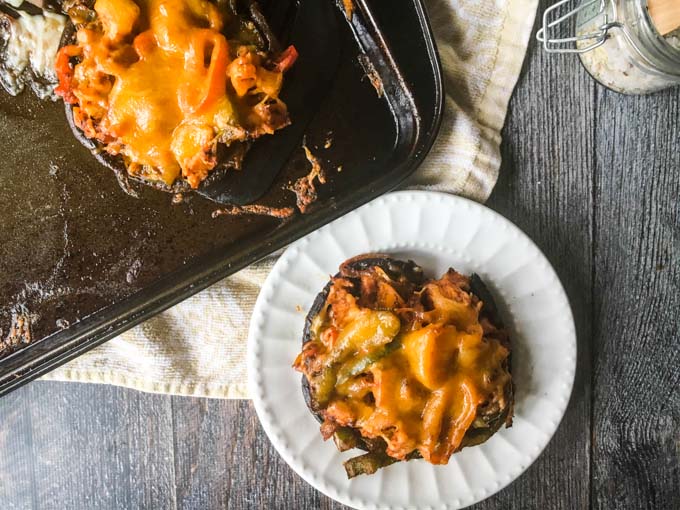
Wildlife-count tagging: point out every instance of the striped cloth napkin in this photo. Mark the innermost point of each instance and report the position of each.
(198, 347)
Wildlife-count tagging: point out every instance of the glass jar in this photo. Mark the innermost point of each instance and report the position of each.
(617, 43)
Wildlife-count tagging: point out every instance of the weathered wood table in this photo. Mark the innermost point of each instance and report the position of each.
(594, 178)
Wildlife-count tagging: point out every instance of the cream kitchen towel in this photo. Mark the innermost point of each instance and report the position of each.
(199, 347)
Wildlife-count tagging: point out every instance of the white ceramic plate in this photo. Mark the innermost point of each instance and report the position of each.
(438, 231)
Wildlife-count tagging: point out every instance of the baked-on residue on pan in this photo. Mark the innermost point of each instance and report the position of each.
(305, 187)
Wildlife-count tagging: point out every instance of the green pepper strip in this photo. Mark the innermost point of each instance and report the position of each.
(346, 438)
(360, 364)
(367, 464)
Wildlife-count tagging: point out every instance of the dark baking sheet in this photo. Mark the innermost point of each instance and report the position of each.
(81, 261)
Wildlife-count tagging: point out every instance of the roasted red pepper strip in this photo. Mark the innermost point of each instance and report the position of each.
(217, 72)
(64, 71)
(286, 60)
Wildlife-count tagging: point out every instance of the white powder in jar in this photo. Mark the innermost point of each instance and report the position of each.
(612, 63)
(674, 38)
(30, 48)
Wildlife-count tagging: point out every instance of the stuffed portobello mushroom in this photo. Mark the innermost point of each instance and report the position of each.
(171, 92)
(403, 367)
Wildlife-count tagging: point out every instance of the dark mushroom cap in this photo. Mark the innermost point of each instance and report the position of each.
(397, 269)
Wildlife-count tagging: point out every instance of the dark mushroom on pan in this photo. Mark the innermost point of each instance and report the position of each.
(171, 93)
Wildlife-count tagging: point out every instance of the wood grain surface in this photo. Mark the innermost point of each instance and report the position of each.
(594, 178)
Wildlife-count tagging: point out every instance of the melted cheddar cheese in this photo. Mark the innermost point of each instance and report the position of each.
(158, 83)
(414, 375)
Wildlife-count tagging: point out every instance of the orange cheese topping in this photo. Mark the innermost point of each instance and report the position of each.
(421, 376)
(159, 84)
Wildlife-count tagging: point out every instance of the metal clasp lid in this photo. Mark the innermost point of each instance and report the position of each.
(591, 9)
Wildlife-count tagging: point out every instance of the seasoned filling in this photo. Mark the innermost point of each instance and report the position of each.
(414, 365)
(162, 82)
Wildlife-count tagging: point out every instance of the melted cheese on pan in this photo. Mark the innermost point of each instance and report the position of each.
(158, 83)
(154, 101)
(31, 44)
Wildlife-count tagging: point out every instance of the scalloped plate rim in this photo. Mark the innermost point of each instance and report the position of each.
(258, 391)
